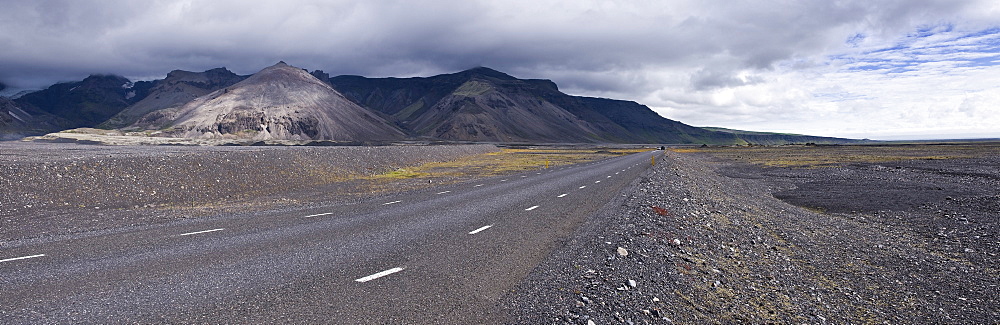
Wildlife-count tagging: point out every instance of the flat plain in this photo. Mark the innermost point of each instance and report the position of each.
(789, 234)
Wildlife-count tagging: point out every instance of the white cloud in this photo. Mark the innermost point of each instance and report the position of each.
(912, 92)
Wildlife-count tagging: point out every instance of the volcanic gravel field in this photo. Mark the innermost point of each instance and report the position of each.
(701, 240)
(51, 189)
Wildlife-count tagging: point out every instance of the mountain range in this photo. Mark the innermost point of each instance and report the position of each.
(283, 102)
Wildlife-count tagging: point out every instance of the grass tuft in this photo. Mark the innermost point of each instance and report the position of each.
(401, 173)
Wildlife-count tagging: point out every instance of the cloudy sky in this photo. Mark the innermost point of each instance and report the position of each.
(879, 69)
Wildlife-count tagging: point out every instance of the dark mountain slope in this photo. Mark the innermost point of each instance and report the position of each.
(16, 123)
(86, 103)
(645, 126)
(177, 89)
(280, 102)
(490, 109)
(479, 104)
(407, 98)
(488, 105)
(627, 121)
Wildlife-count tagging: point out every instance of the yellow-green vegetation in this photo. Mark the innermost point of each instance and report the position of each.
(829, 156)
(409, 110)
(401, 174)
(472, 89)
(503, 162)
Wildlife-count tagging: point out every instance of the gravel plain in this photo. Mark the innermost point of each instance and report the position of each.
(704, 240)
(51, 189)
(699, 238)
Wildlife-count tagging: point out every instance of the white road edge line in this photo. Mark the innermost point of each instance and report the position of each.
(531, 208)
(444, 192)
(562, 195)
(379, 275)
(393, 202)
(317, 215)
(480, 229)
(21, 258)
(202, 232)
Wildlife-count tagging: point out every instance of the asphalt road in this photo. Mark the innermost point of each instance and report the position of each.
(441, 255)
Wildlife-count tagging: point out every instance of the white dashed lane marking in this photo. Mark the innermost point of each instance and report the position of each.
(531, 208)
(582, 187)
(562, 195)
(317, 215)
(21, 258)
(445, 192)
(480, 229)
(597, 182)
(478, 185)
(379, 275)
(393, 202)
(201, 232)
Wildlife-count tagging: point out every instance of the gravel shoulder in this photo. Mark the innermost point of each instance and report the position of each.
(700, 239)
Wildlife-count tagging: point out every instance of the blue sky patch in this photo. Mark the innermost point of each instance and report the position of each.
(931, 44)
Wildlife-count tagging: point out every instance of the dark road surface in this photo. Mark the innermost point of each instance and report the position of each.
(441, 255)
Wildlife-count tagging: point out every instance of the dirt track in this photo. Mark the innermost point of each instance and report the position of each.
(894, 241)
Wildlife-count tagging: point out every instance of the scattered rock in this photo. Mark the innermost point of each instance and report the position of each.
(734, 253)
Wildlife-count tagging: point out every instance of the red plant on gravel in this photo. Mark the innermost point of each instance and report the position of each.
(686, 266)
(660, 211)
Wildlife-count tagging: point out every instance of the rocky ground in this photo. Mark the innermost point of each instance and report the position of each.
(50, 189)
(703, 239)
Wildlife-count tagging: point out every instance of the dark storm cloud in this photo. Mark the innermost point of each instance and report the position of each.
(47, 40)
